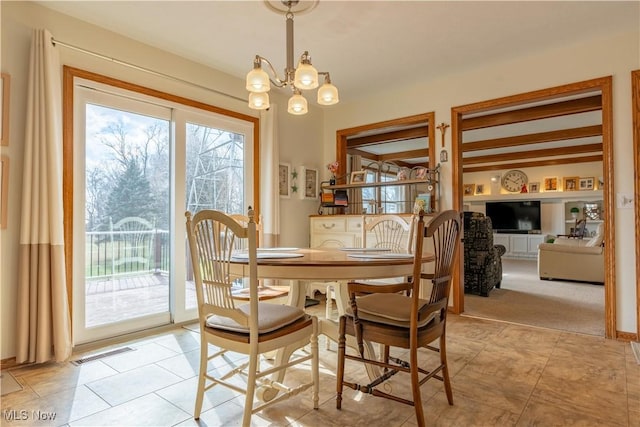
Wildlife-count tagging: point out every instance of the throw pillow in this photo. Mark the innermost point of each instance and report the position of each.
(598, 238)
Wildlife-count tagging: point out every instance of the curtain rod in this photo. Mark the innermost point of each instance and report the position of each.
(139, 68)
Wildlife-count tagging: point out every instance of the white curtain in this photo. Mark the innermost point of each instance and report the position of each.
(269, 163)
(44, 331)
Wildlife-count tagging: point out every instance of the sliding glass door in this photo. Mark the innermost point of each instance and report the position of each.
(218, 173)
(139, 163)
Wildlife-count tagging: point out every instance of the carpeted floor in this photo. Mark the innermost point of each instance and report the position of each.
(524, 298)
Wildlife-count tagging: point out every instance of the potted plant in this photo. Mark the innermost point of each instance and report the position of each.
(574, 212)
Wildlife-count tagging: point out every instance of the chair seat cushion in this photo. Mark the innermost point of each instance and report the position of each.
(391, 309)
(264, 293)
(271, 317)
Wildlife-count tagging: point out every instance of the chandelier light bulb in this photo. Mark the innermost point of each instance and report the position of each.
(306, 76)
(328, 94)
(259, 101)
(258, 80)
(297, 104)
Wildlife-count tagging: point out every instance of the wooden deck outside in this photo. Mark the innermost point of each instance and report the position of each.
(120, 298)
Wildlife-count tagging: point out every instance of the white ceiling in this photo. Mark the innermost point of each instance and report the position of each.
(364, 44)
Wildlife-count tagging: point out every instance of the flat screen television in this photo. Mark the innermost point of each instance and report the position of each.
(521, 217)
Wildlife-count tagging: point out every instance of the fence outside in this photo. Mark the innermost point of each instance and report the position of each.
(117, 253)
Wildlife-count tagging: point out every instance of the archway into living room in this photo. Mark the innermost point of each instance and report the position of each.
(559, 128)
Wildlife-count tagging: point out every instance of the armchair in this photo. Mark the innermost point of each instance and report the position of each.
(482, 259)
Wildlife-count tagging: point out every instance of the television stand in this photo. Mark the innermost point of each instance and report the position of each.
(513, 231)
(519, 245)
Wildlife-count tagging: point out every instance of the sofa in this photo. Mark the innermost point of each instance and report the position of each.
(580, 260)
(482, 259)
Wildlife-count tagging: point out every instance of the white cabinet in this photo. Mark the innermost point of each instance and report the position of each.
(532, 243)
(502, 239)
(519, 245)
(339, 230)
(331, 231)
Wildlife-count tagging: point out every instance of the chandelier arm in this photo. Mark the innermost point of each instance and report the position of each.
(275, 80)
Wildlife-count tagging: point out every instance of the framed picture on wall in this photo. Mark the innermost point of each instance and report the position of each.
(570, 183)
(586, 183)
(550, 183)
(468, 189)
(310, 183)
(480, 189)
(284, 172)
(534, 187)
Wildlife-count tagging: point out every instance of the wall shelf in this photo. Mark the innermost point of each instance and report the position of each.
(551, 196)
(376, 184)
(420, 180)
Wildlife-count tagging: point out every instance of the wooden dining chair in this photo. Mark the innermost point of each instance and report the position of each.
(387, 317)
(387, 232)
(253, 328)
(390, 232)
(265, 292)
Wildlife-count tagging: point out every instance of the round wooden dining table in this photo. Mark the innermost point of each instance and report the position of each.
(323, 264)
(299, 266)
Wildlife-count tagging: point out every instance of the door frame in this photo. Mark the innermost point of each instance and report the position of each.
(70, 74)
(604, 84)
(635, 111)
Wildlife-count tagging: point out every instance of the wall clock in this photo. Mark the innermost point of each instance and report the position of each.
(513, 180)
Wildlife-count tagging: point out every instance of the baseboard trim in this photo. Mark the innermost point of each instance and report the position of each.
(79, 348)
(626, 336)
(8, 363)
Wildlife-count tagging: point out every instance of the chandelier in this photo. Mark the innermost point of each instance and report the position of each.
(303, 77)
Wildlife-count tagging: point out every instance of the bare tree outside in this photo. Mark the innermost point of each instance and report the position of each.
(215, 169)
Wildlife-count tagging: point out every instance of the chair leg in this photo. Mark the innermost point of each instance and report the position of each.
(315, 365)
(329, 309)
(204, 354)
(341, 353)
(329, 306)
(251, 388)
(445, 369)
(415, 386)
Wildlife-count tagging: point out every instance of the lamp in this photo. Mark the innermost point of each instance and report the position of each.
(304, 77)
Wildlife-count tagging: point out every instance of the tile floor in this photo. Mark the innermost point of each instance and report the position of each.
(502, 375)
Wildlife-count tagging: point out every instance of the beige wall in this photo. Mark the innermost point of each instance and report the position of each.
(553, 212)
(612, 54)
(300, 138)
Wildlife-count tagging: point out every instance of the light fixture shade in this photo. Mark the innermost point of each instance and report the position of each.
(306, 77)
(328, 94)
(258, 81)
(297, 105)
(259, 101)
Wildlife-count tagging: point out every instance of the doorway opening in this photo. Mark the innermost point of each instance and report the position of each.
(564, 125)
